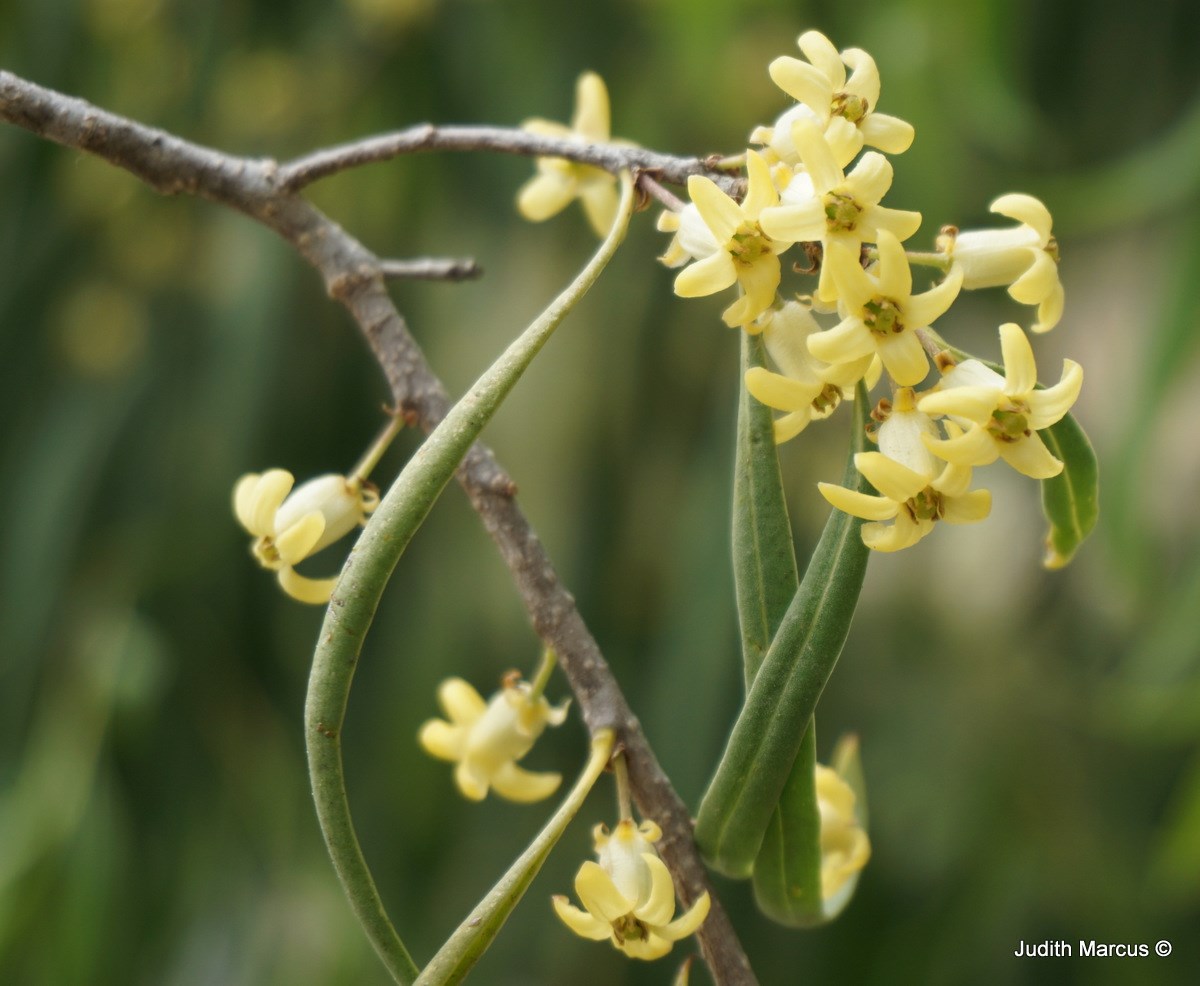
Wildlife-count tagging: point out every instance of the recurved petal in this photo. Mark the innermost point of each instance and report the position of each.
(1025, 209)
(895, 276)
(1038, 281)
(968, 508)
(264, 501)
(817, 155)
(904, 533)
(316, 592)
(544, 195)
(460, 701)
(790, 425)
(598, 893)
(849, 340)
(926, 308)
(688, 921)
(297, 542)
(583, 924)
(974, 403)
(720, 213)
(892, 479)
(855, 286)
(889, 133)
(871, 178)
(803, 82)
(954, 479)
(794, 223)
(708, 276)
(600, 202)
(760, 191)
(780, 392)
(819, 50)
(524, 786)
(1030, 457)
(243, 501)
(759, 281)
(591, 118)
(660, 905)
(975, 447)
(904, 357)
(648, 949)
(899, 221)
(1050, 310)
(439, 739)
(470, 784)
(864, 76)
(1020, 370)
(857, 504)
(1049, 405)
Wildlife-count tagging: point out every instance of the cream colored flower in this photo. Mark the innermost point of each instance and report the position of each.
(845, 847)
(1003, 414)
(560, 181)
(290, 528)
(486, 739)
(820, 84)
(730, 245)
(914, 494)
(628, 896)
(806, 388)
(1023, 257)
(882, 315)
(823, 203)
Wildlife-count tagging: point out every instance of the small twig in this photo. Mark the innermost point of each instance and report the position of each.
(431, 269)
(653, 188)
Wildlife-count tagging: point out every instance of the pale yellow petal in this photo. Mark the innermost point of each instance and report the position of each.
(1049, 405)
(720, 213)
(316, 592)
(760, 191)
(439, 739)
(954, 480)
(871, 178)
(243, 502)
(1037, 282)
(780, 392)
(924, 309)
(648, 949)
(889, 133)
(973, 448)
(269, 493)
(898, 221)
(600, 200)
(470, 785)
(1020, 370)
(460, 701)
(790, 425)
(708, 276)
(591, 118)
(904, 357)
(583, 924)
(974, 403)
(545, 128)
(524, 786)
(544, 195)
(904, 533)
(819, 50)
(817, 156)
(855, 286)
(660, 905)
(1050, 310)
(794, 223)
(1030, 457)
(895, 276)
(803, 82)
(968, 508)
(895, 481)
(1025, 209)
(864, 76)
(688, 921)
(858, 504)
(297, 542)
(759, 281)
(598, 893)
(849, 340)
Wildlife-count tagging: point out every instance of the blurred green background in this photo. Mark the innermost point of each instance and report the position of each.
(1030, 739)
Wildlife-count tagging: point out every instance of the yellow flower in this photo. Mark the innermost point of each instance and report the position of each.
(290, 528)
(845, 847)
(628, 896)
(730, 244)
(823, 203)
(882, 315)
(558, 180)
(1024, 257)
(820, 84)
(805, 388)
(913, 492)
(486, 739)
(1003, 413)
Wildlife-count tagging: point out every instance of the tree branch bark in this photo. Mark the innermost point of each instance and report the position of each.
(354, 277)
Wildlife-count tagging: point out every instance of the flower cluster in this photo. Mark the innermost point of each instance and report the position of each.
(811, 185)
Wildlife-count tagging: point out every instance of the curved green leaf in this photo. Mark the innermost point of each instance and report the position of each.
(463, 948)
(766, 738)
(1070, 500)
(764, 560)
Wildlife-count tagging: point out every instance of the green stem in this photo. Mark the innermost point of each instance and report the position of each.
(545, 669)
(624, 797)
(371, 457)
(366, 573)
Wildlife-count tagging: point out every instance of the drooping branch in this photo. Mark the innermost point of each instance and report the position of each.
(355, 277)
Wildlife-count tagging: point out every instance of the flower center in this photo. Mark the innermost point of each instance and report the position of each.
(926, 505)
(265, 551)
(841, 212)
(1009, 422)
(1052, 249)
(829, 398)
(852, 107)
(749, 244)
(883, 316)
(628, 928)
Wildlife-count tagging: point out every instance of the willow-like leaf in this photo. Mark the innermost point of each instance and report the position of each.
(766, 738)
(1070, 500)
(464, 948)
(764, 561)
(366, 573)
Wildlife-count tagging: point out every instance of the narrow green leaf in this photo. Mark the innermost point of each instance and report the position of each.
(764, 561)
(1070, 500)
(464, 948)
(763, 746)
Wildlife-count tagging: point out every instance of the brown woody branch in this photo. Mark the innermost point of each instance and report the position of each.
(267, 192)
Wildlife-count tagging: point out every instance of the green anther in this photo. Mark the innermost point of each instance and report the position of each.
(852, 107)
(882, 316)
(841, 213)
